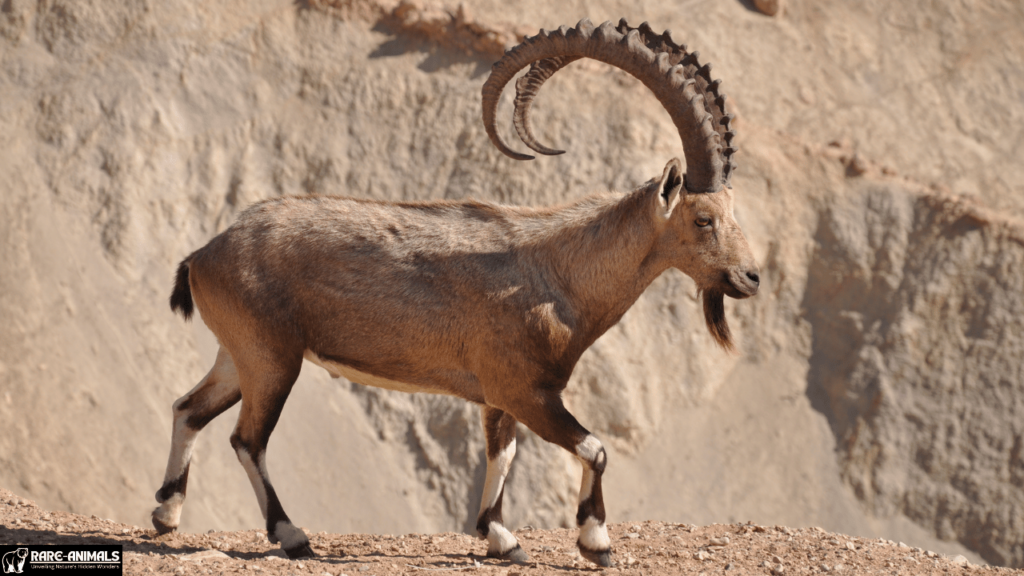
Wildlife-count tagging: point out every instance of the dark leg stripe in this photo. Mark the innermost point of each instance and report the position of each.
(593, 506)
(275, 513)
(198, 419)
(176, 486)
(500, 428)
(237, 444)
(492, 514)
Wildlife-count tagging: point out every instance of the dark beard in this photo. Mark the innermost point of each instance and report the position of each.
(714, 316)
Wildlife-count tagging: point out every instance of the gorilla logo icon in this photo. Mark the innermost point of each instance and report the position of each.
(14, 562)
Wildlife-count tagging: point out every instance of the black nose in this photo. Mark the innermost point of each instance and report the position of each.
(754, 277)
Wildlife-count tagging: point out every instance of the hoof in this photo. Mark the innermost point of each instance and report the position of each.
(301, 551)
(162, 528)
(271, 538)
(602, 558)
(516, 555)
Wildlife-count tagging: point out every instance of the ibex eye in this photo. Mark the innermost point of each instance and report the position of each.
(702, 222)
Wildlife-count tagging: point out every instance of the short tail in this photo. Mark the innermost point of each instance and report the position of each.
(181, 297)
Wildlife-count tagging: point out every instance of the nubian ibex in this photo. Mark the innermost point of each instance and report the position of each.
(493, 304)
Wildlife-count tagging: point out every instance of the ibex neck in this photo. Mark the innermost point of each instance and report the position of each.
(604, 257)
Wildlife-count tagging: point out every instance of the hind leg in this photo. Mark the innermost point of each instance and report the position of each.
(214, 394)
(500, 431)
(266, 383)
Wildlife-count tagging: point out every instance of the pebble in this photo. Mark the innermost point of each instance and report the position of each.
(205, 555)
(769, 7)
(960, 559)
(632, 535)
(720, 541)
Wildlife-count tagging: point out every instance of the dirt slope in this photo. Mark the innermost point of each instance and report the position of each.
(648, 547)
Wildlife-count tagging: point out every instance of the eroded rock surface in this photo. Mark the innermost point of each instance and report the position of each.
(880, 185)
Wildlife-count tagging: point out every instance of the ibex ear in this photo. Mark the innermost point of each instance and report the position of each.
(670, 188)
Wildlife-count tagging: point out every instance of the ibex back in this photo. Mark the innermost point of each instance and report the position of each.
(493, 304)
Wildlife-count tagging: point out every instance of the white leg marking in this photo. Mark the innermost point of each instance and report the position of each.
(587, 485)
(183, 438)
(589, 452)
(182, 441)
(594, 535)
(289, 535)
(169, 512)
(497, 469)
(588, 449)
(499, 539)
(286, 533)
(254, 469)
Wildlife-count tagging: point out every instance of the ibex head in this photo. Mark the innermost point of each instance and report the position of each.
(693, 212)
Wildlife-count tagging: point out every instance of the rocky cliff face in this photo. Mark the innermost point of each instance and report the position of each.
(880, 369)
(917, 310)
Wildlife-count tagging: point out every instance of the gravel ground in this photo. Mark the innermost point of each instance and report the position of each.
(641, 548)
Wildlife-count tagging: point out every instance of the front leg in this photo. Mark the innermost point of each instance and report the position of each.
(500, 431)
(548, 417)
(594, 543)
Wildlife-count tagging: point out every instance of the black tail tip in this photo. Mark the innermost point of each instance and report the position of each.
(181, 297)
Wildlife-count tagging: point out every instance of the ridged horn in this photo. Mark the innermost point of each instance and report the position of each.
(679, 82)
(526, 90)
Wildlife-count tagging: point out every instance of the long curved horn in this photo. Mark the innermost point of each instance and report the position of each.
(527, 88)
(683, 87)
(540, 71)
